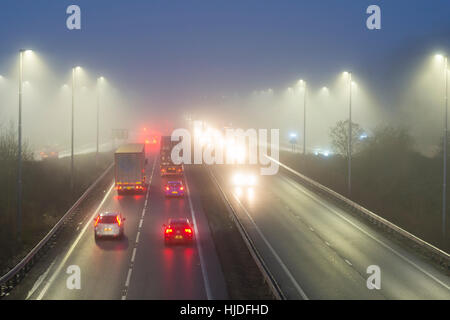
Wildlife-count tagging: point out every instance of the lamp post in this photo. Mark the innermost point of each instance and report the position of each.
(19, 149)
(72, 130)
(349, 142)
(445, 138)
(98, 119)
(303, 84)
(444, 211)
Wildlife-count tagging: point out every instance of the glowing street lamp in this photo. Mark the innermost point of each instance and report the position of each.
(444, 59)
(293, 140)
(99, 81)
(22, 52)
(74, 70)
(349, 145)
(302, 84)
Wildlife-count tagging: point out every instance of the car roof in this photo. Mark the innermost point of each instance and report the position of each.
(178, 221)
(109, 214)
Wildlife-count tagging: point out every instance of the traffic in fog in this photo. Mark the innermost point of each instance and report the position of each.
(225, 155)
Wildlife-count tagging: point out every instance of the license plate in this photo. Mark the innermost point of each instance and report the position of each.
(107, 229)
(129, 188)
(178, 237)
(174, 191)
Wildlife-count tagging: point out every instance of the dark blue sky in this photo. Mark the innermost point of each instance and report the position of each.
(175, 50)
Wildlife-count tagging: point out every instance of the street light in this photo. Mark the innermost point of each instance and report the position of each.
(444, 178)
(349, 145)
(303, 85)
(99, 80)
(72, 130)
(19, 150)
(293, 140)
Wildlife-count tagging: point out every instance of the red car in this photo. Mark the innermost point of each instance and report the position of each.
(178, 230)
(174, 188)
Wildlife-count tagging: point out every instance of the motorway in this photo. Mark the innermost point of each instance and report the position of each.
(313, 248)
(317, 250)
(139, 266)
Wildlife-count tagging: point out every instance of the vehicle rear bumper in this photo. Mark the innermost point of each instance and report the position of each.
(170, 194)
(114, 232)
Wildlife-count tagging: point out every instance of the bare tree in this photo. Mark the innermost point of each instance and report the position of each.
(339, 137)
(9, 146)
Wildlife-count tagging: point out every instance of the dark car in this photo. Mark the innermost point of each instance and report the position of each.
(178, 230)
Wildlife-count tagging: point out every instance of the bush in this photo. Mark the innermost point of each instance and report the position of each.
(46, 193)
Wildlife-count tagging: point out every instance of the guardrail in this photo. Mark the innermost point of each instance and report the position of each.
(268, 277)
(438, 255)
(13, 276)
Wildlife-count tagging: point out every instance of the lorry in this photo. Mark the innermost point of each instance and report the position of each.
(167, 166)
(129, 169)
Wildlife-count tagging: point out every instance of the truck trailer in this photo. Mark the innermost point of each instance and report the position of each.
(167, 166)
(129, 168)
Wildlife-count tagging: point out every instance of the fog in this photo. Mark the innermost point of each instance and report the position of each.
(47, 103)
(282, 108)
(47, 100)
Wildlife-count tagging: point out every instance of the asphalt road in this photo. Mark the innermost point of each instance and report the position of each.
(139, 266)
(316, 250)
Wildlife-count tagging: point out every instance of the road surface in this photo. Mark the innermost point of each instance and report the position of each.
(139, 266)
(317, 250)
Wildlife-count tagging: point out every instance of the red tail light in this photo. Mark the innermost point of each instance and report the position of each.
(188, 230)
(181, 188)
(169, 230)
(167, 188)
(118, 220)
(96, 221)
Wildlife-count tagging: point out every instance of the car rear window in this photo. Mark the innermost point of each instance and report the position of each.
(108, 219)
(179, 224)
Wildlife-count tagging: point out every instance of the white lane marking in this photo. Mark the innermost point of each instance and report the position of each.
(133, 256)
(127, 283)
(382, 243)
(311, 228)
(66, 257)
(39, 281)
(327, 243)
(277, 257)
(348, 262)
(199, 247)
(137, 236)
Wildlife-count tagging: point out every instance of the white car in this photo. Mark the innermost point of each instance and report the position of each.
(109, 224)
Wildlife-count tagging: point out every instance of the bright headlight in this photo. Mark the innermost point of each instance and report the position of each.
(238, 179)
(251, 180)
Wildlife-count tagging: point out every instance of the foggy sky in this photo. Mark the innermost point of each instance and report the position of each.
(164, 58)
